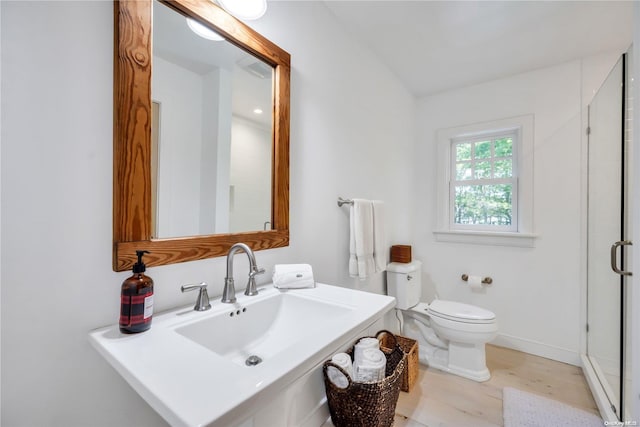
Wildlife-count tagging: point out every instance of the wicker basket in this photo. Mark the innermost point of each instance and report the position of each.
(370, 404)
(412, 365)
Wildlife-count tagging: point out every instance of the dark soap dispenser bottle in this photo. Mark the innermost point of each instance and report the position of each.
(136, 299)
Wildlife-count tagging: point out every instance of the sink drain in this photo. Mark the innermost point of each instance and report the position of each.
(252, 360)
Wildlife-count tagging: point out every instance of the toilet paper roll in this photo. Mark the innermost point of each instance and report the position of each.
(475, 282)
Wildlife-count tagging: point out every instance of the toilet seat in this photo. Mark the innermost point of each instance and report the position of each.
(455, 312)
(460, 312)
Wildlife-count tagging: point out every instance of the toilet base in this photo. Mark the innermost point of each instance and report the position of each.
(465, 360)
(441, 359)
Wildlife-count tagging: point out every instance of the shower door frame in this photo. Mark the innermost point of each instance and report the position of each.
(612, 407)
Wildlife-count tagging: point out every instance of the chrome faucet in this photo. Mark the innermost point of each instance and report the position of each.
(229, 292)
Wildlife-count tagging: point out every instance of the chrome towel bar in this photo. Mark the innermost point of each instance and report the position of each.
(342, 201)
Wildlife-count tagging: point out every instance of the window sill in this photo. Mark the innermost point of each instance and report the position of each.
(522, 240)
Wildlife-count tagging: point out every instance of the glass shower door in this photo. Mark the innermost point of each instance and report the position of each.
(606, 226)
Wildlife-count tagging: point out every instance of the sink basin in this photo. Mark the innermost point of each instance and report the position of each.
(191, 366)
(265, 328)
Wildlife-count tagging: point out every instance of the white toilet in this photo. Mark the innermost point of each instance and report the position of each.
(451, 335)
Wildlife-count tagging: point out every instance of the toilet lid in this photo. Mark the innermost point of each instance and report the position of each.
(461, 312)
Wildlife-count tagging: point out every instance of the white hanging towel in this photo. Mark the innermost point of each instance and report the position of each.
(366, 238)
(379, 249)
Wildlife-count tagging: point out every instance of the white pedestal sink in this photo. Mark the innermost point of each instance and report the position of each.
(191, 366)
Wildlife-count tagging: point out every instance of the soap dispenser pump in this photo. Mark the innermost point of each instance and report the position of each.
(136, 299)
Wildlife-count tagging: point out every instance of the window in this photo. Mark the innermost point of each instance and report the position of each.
(485, 183)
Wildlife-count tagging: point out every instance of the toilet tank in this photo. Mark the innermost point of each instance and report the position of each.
(404, 282)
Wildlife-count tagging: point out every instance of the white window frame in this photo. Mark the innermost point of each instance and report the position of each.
(513, 180)
(520, 233)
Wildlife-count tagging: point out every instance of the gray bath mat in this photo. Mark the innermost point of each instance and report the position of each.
(522, 409)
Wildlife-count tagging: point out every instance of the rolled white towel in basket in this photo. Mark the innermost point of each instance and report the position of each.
(361, 345)
(293, 276)
(335, 376)
(372, 366)
(344, 361)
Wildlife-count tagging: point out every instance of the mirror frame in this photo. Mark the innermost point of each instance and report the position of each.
(132, 137)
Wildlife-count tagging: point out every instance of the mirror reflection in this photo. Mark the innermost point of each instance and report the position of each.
(212, 133)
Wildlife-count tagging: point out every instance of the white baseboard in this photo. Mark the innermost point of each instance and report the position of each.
(539, 349)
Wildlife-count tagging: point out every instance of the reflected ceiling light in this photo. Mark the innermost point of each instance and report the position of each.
(245, 9)
(258, 110)
(203, 31)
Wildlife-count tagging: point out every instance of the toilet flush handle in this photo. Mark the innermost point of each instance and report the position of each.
(409, 277)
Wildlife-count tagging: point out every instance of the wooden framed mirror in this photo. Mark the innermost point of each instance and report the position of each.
(133, 209)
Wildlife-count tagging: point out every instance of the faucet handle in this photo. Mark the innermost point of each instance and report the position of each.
(255, 271)
(202, 303)
(252, 288)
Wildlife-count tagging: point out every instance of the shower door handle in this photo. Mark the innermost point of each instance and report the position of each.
(614, 257)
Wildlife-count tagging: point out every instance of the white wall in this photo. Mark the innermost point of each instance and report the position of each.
(193, 149)
(214, 181)
(179, 93)
(536, 291)
(352, 134)
(250, 175)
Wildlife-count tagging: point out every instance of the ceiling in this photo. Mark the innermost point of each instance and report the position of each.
(434, 46)
(251, 78)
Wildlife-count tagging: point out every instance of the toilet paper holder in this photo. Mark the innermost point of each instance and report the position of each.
(485, 280)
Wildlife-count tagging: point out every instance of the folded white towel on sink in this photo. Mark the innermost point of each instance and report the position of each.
(293, 276)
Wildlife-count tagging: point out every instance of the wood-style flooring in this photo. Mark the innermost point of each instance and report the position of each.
(444, 400)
